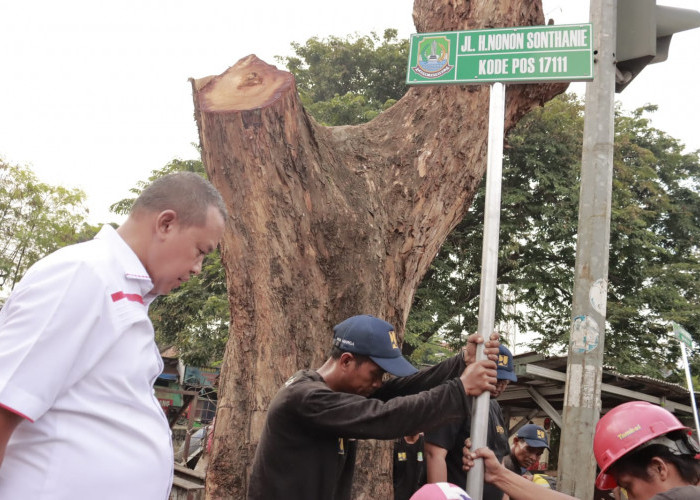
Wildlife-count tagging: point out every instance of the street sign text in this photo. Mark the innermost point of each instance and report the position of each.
(524, 54)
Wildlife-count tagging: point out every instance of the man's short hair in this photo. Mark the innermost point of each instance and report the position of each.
(337, 352)
(190, 195)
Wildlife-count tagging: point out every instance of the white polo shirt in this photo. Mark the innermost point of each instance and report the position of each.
(78, 361)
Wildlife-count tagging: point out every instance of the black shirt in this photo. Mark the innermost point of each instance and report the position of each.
(409, 468)
(511, 463)
(307, 446)
(451, 438)
(679, 493)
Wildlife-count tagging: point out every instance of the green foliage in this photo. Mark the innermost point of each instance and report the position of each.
(35, 220)
(540, 179)
(653, 258)
(349, 81)
(425, 353)
(654, 230)
(653, 247)
(195, 316)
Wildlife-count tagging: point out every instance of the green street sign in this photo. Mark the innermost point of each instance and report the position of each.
(524, 54)
(682, 334)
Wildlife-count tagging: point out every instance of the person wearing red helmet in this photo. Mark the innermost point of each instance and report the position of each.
(639, 447)
(646, 450)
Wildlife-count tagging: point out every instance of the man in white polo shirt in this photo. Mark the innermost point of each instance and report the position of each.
(78, 416)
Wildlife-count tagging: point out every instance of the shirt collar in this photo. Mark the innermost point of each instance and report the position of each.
(131, 264)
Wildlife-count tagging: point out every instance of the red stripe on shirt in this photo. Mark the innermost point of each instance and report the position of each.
(12, 410)
(134, 297)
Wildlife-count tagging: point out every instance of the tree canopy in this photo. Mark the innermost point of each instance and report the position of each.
(35, 219)
(653, 246)
(654, 232)
(349, 81)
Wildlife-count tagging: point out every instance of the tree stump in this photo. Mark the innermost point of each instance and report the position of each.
(328, 222)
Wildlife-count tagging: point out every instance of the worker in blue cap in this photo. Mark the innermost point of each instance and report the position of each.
(528, 445)
(443, 445)
(308, 442)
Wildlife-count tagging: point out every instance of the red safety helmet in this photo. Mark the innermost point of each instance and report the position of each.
(625, 428)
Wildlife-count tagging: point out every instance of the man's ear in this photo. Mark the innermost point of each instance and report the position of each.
(658, 467)
(345, 359)
(165, 221)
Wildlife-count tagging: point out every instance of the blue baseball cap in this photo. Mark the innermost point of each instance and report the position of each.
(505, 369)
(373, 337)
(534, 435)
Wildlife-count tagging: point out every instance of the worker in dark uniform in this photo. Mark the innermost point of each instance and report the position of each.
(409, 466)
(527, 448)
(443, 445)
(307, 446)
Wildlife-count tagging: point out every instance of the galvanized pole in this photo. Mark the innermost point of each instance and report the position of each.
(489, 273)
(689, 379)
(577, 468)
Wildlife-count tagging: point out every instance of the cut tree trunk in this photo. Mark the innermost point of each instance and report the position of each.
(328, 222)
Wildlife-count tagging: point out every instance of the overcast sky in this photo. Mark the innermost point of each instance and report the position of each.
(95, 95)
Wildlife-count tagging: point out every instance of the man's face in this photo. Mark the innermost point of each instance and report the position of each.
(364, 378)
(178, 252)
(643, 488)
(524, 453)
(638, 488)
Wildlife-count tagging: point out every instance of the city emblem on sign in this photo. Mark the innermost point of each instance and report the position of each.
(433, 57)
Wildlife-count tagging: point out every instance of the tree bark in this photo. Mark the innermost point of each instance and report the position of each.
(328, 222)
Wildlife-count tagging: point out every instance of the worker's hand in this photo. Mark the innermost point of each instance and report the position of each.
(490, 348)
(491, 464)
(479, 376)
(467, 460)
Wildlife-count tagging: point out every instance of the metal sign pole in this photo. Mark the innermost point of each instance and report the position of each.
(690, 389)
(489, 273)
(686, 339)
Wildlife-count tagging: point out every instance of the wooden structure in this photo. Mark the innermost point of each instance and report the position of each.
(187, 484)
(539, 391)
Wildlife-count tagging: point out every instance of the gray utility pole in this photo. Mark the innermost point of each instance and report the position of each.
(577, 468)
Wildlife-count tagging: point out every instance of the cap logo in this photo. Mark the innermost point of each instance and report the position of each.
(540, 434)
(502, 360)
(347, 342)
(630, 431)
(392, 338)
